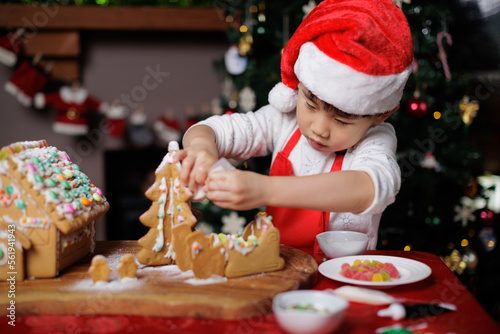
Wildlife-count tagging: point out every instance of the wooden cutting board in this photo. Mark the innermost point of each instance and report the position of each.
(158, 291)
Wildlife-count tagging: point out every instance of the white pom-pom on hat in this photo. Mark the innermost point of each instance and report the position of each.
(283, 98)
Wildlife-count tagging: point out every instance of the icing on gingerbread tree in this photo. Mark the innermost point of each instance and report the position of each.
(170, 208)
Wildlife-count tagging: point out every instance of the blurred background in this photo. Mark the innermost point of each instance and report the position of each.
(153, 68)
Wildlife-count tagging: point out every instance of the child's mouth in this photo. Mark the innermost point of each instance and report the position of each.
(316, 145)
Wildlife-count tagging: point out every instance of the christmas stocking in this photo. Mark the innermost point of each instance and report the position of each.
(26, 81)
(11, 47)
(116, 117)
(73, 105)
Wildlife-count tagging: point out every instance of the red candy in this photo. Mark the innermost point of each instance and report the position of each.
(373, 271)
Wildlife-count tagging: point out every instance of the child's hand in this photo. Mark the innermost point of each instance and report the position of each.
(236, 190)
(196, 161)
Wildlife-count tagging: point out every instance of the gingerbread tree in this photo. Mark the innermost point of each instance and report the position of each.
(170, 207)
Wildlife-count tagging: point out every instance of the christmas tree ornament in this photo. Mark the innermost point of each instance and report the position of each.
(416, 107)
(485, 217)
(10, 47)
(488, 238)
(204, 227)
(465, 211)
(468, 109)
(167, 127)
(234, 62)
(470, 259)
(399, 3)
(471, 188)
(306, 9)
(233, 223)
(429, 162)
(116, 116)
(442, 53)
(26, 81)
(73, 105)
(138, 131)
(247, 99)
(454, 262)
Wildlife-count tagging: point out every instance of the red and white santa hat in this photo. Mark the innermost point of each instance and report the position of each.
(353, 54)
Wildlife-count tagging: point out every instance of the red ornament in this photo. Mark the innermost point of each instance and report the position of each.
(416, 107)
(486, 217)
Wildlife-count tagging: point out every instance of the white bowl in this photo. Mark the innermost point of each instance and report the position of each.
(342, 243)
(309, 321)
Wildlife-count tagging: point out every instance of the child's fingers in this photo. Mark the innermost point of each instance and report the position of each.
(218, 181)
(179, 156)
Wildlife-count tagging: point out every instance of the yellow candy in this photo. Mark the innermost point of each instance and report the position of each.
(96, 197)
(222, 238)
(357, 261)
(377, 277)
(68, 173)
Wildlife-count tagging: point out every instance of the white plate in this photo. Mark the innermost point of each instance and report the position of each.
(410, 271)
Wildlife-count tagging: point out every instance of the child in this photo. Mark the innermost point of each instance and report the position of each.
(334, 166)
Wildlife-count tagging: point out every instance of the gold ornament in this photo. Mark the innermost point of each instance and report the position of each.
(454, 262)
(245, 44)
(468, 109)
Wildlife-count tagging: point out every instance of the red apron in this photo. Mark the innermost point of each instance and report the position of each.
(298, 227)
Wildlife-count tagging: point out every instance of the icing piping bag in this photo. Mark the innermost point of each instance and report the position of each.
(221, 165)
(399, 311)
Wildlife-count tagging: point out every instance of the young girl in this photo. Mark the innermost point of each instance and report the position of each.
(334, 165)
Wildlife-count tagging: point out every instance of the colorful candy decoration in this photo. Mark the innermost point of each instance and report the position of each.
(367, 270)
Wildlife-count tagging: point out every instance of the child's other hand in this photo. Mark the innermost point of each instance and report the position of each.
(236, 190)
(196, 161)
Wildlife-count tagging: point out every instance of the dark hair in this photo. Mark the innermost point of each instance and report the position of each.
(328, 107)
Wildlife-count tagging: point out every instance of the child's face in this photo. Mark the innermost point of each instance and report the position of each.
(329, 129)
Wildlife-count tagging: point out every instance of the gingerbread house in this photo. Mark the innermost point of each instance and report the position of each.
(48, 208)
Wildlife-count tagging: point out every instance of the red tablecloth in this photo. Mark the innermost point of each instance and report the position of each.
(441, 287)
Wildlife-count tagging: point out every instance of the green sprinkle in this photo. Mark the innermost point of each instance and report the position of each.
(57, 170)
(1, 254)
(20, 204)
(66, 194)
(51, 183)
(53, 194)
(52, 153)
(179, 208)
(160, 201)
(9, 189)
(65, 184)
(38, 178)
(75, 167)
(161, 215)
(36, 160)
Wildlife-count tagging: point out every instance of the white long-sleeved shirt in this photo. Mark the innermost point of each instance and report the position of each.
(267, 130)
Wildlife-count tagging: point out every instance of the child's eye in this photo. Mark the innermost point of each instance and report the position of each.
(341, 122)
(310, 106)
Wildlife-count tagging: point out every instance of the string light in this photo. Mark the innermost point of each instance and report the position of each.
(437, 115)
(243, 28)
(407, 248)
(464, 243)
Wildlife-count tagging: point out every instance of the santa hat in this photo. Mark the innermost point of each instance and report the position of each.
(353, 54)
(10, 47)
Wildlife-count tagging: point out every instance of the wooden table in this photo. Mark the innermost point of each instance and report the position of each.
(441, 286)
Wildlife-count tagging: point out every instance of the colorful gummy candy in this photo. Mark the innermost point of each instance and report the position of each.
(367, 270)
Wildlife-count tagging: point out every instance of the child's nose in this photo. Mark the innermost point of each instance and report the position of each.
(320, 127)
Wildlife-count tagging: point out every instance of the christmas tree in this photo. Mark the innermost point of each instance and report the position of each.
(169, 209)
(441, 207)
